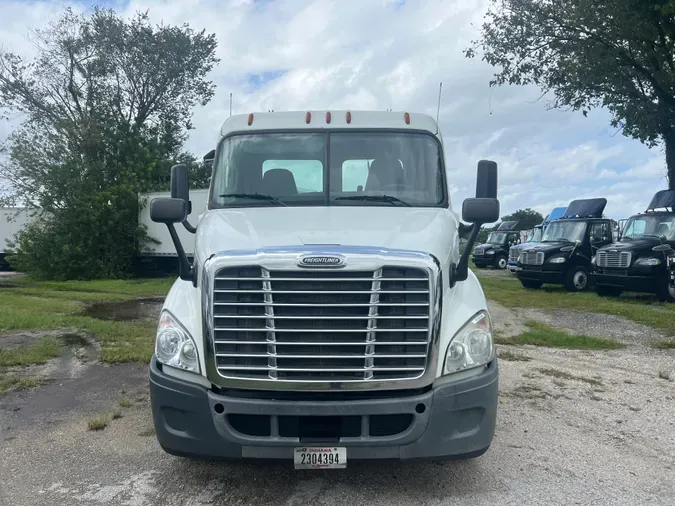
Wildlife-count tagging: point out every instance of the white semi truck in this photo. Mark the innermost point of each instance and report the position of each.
(327, 314)
(12, 220)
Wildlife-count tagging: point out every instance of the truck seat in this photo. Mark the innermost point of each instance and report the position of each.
(279, 183)
(383, 173)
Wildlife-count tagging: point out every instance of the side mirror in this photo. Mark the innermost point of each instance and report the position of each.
(180, 188)
(480, 210)
(486, 180)
(168, 210)
(209, 157)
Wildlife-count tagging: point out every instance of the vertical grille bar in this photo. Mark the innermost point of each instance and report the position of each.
(371, 335)
(269, 323)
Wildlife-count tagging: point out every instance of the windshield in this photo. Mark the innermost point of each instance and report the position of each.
(571, 231)
(650, 225)
(535, 235)
(334, 168)
(496, 238)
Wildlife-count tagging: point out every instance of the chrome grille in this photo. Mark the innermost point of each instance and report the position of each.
(532, 258)
(613, 259)
(322, 325)
(513, 252)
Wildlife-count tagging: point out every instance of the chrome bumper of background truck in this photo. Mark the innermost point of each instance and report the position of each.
(451, 420)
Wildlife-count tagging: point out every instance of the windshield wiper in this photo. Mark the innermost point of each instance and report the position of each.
(255, 196)
(376, 198)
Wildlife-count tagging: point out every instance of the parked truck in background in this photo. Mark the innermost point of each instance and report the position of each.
(533, 238)
(638, 261)
(495, 251)
(567, 247)
(330, 324)
(12, 220)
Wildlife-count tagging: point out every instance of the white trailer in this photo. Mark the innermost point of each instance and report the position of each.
(158, 231)
(12, 219)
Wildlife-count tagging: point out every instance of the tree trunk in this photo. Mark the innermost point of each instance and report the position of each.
(669, 143)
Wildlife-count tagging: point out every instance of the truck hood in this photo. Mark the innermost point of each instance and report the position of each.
(420, 229)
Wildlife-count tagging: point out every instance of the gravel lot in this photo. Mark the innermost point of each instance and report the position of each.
(573, 428)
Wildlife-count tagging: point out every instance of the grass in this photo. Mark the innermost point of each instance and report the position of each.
(513, 357)
(19, 383)
(125, 403)
(540, 334)
(98, 422)
(643, 309)
(663, 345)
(557, 373)
(48, 305)
(117, 414)
(37, 353)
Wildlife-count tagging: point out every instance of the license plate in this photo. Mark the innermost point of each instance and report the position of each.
(309, 457)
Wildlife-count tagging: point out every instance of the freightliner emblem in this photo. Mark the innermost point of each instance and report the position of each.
(321, 261)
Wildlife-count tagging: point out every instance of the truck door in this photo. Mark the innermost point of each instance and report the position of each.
(600, 235)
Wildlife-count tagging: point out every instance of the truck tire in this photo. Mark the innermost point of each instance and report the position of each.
(500, 262)
(531, 283)
(577, 279)
(608, 291)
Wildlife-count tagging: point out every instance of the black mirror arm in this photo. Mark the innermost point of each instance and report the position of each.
(460, 272)
(186, 271)
(189, 227)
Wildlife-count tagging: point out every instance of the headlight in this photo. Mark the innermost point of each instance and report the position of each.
(557, 260)
(472, 346)
(174, 346)
(648, 261)
(490, 252)
(593, 260)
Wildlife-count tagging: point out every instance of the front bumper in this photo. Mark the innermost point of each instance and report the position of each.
(483, 259)
(629, 282)
(554, 277)
(452, 420)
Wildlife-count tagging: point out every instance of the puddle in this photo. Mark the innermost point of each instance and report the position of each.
(133, 310)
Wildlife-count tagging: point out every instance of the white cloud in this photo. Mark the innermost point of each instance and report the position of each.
(378, 54)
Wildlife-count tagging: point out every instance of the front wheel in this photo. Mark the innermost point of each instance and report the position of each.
(576, 279)
(531, 283)
(500, 262)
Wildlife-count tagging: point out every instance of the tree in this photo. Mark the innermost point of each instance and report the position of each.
(107, 105)
(618, 54)
(526, 218)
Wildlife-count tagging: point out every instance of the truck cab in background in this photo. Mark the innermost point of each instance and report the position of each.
(564, 255)
(495, 251)
(639, 260)
(328, 314)
(534, 238)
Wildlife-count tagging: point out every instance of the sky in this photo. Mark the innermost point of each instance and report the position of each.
(392, 54)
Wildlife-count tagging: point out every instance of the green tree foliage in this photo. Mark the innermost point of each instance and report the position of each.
(618, 54)
(107, 105)
(526, 218)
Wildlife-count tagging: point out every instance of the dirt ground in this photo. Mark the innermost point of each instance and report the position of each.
(574, 427)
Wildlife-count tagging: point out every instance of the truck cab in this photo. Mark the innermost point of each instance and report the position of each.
(328, 314)
(638, 261)
(564, 255)
(533, 238)
(495, 250)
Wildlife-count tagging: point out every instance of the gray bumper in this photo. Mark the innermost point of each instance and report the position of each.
(457, 420)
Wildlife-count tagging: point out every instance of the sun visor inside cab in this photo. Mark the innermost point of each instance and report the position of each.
(586, 208)
(507, 225)
(661, 199)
